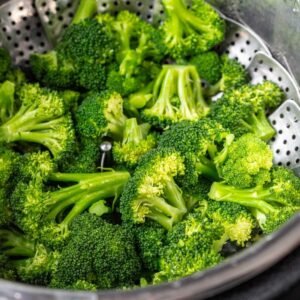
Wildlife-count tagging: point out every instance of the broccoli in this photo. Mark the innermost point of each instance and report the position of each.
(7, 270)
(37, 211)
(177, 96)
(140, 98)
(101, 114)
(150, 237)
(247, 163)
(238, 222)
(152, 192)
(191, 31)
(98, 253)
(85, 10)
(33, 263)
(192, 245)
(5, 63)
(71, 100)
(209, 66)
(233, 75)
(7, 101)
(135, 143)
(272, 204)
(244, 110)
(41, 119)
(201, 144)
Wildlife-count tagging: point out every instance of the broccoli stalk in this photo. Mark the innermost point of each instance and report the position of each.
(86, 9)
(7, 105)
(136, 142)
(178, 96)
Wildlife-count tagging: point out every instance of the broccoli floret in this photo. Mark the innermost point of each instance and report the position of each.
(38, 211)
(150, 238)
(209, 66)
(244, 110)
(53, 70)
(16, 76)
(7, 270)
(201, 144)
(272, 204)
(5, 64)
(99, 253)
(8, 164)
(234, 75)
(238, 222)
(177, 96)
(152, 192)
(248, 162)
(101, 114)
(7, 101)
(32, 262)
(71, 100)
(191, 246)
(136, 142)
(191, 31)
(41, 119)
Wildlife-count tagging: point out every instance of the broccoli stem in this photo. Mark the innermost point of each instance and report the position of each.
(14, 244)
(260, 126)
(7, 91)
(86, 9)
(133, 132)
(160, 218)
(257, 197)
(207, 169)
(174, 196)
(139, 99)
(213, 90)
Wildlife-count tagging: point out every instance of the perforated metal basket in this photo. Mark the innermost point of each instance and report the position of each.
(28, 26)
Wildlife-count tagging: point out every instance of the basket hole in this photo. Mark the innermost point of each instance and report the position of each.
(27, 27)
(60, 18)
(38, 34)
(288, 153)
(242, 50)
(281, 116)
(293, 137)
(21, 8)
(255, 51)
(288, 163)
(237, 35)
(30, 47)
(116, 3)
(277, 151)
(248, 42)
(104, 4)
(265, 77)
(71, 15)
(18, 32)
(296, 149)
(9, 37)
(250, 58)
(42, 44)
(21, 53)
(297, 161)
(280, 131)
(288, 108)
(69, 5)
(255, 70)
(16, 45)
(232, 43)
(279, 79)
(127, 2)
(227, 51)
(285, 142)
(274, 122)
(9, 13)
(271, 70)
(287, 89)
(280, 163)
(151, 7)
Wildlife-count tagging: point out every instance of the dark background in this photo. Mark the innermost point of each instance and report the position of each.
(280, 282)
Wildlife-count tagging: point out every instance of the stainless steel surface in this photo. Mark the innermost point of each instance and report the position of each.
(21, 30)
(273, 21)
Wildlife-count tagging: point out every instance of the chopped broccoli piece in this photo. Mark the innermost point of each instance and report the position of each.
(234, 75)
(209, 66)
(101, 114)
(192, 245)
(177, 96)
(86, 9)
(7, 101)
(98, 253)
(135, 143)
(244, 110)
(36, 210)
(272, 204)
(152, 192)
(41, 119)
(248, 162)
(191, 31)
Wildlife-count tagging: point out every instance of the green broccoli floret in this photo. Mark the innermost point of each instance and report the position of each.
(201, 144)
(238, 222)
(71, 100)
(150, 238)
(32, 262)
(244, 110)
(7, 101)
(101, 114)
(209, 66)
(177, 96)
(192, 245)
(248, 162)
(98, 253)
(234, 75)
(7, 270)
(136, 142)
(38, 211)
(272, 204)
(152, 192)
(5, 64)
(191, 31)
(53, 70)
(41, 119)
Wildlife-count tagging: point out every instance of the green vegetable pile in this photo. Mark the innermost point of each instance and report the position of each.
(191, 180)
